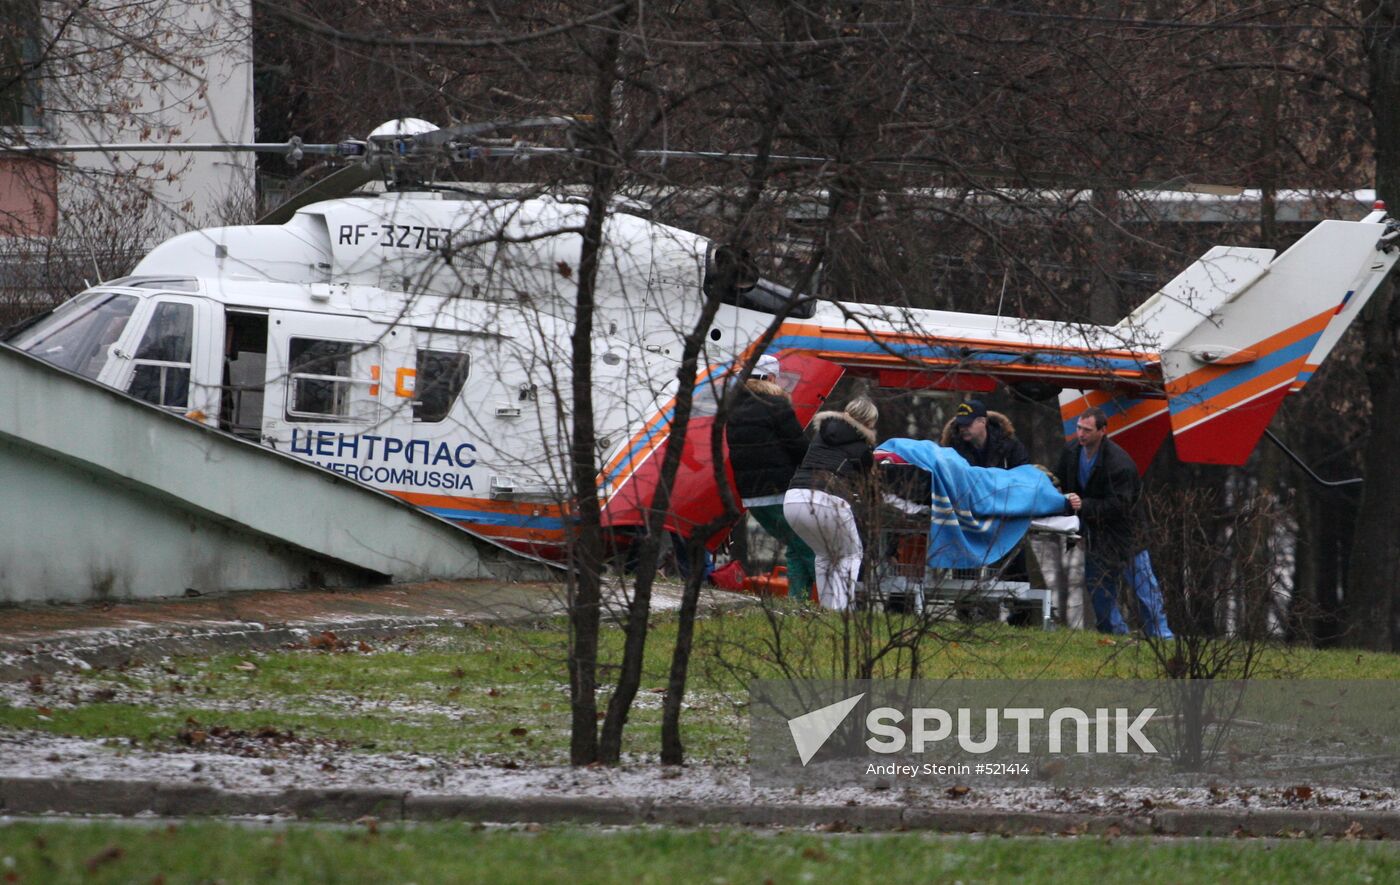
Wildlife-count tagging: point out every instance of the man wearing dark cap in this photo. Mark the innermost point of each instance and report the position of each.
(988, 439)
(984, 439)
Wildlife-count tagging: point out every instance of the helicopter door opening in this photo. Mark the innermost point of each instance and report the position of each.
(245, 372)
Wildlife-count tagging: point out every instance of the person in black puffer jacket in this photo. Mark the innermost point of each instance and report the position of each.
(821, 500)
(766, 444)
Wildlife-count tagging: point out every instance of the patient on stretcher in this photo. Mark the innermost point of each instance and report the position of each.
(976, 514)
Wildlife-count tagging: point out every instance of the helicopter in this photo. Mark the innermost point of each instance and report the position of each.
(418, 340)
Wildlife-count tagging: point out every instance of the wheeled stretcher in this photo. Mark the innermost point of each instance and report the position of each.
(904, 575)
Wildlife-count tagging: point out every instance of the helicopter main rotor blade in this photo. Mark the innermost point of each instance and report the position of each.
(293, 149)
(443, 137)
(340, 183)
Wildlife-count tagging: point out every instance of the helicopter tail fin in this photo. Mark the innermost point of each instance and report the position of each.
(1226, 377)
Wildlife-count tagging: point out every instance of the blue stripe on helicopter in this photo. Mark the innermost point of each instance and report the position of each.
(488, 517)
(1242, 374)
(1112, 407)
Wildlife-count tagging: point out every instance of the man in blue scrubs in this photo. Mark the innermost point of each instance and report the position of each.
(1102, 486)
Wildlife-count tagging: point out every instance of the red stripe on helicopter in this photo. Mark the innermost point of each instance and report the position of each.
(1219, 412)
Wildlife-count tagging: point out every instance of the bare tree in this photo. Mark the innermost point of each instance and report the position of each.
(1372, 613)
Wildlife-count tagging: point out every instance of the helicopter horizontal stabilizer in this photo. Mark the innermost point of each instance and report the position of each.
(1226, 377)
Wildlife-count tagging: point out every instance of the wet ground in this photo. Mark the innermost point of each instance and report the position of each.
(36, 638)
(41, 773)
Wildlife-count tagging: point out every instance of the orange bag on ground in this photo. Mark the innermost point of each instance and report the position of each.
(775, 583)
(730, 576)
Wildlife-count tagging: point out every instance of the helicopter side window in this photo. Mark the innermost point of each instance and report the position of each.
(79, 334)
(322, 383)
(438, 382)
(162, 362)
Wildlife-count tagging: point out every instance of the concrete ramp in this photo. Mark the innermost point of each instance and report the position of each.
(103, 496)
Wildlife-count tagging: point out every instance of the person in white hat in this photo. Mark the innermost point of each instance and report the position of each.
(766, 444)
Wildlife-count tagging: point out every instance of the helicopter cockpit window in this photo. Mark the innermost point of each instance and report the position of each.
(162, 360)
(322, 382)
(438, 382)
(78, 335)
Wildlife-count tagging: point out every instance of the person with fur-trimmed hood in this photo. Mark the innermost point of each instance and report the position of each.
(983, 438)
(820, 504)
(766, 445)
(988, 439)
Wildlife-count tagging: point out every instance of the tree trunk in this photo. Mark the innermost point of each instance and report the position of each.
(1375, 561)
(586, 549)
(639, 610)
(1374, 578)
(672, 749)
(1105, 262)
(1332, 513)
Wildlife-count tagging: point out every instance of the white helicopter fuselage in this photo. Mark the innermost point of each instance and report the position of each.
(421, 343)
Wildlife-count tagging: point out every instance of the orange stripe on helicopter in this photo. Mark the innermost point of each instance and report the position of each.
(1236, 396)
(1304, 376)
(639, 447)
(1181, 389)
(644, 443)
(423, 499)
(862, 347)
(515, 533)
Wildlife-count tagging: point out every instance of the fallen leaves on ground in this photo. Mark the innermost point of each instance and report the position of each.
(1299, 793)
(104, 857)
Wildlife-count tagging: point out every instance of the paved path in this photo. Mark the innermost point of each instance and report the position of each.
(45, 638)
(31, 796)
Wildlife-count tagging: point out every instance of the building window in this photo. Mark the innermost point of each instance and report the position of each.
(19, 59)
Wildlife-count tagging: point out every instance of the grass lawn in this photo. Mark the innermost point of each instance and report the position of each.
(234, 853)
(500, 691)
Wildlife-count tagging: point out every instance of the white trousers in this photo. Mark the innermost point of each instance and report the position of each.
(828, 525)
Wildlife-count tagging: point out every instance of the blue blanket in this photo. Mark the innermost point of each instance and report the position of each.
(978, 513)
